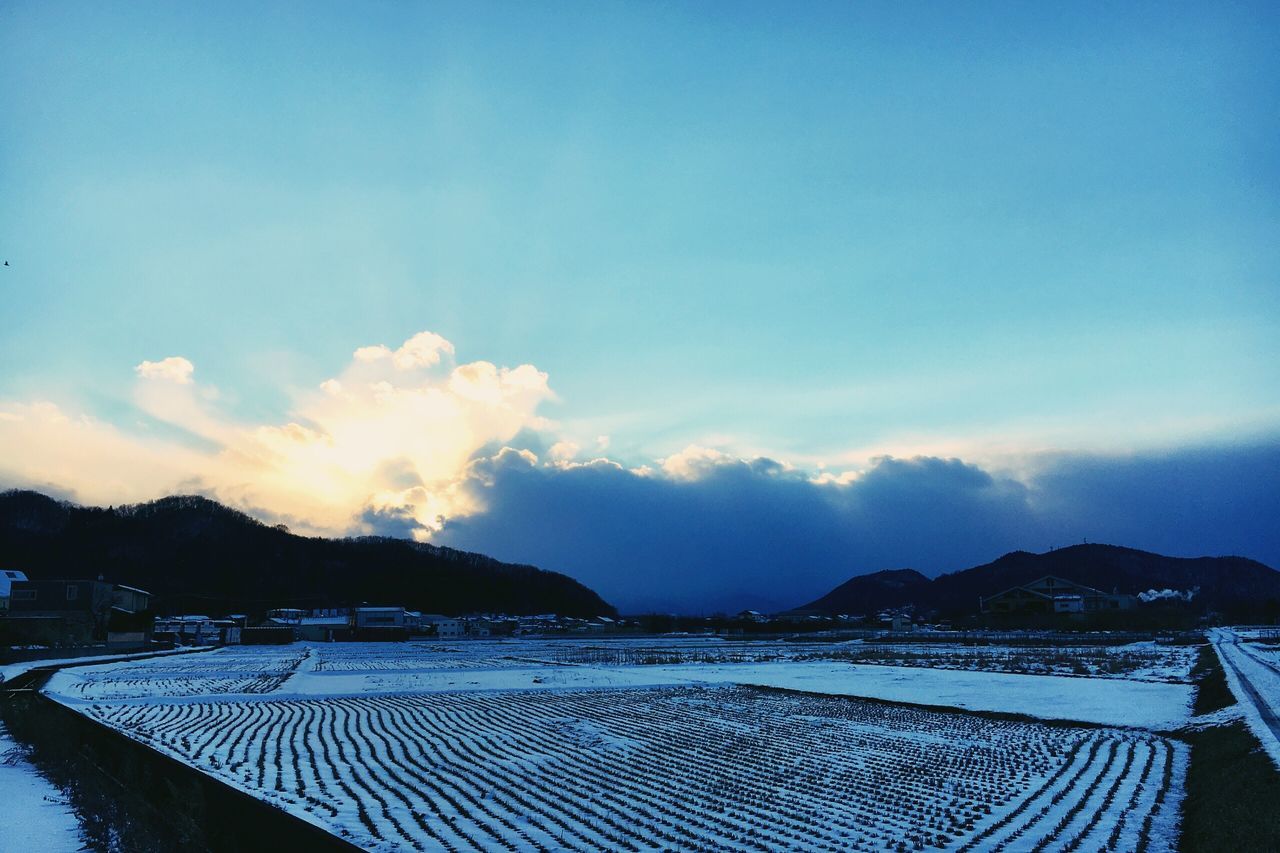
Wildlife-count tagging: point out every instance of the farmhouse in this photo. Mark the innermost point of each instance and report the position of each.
(323, 629)
(228, 631)
(73, 612)
(7, 577)
(130, 621)
(364, 618)
(192, 629)
(445, 626)
(285, 616)
(1051, 594)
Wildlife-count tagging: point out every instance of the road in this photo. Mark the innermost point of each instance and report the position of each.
(1255, 680)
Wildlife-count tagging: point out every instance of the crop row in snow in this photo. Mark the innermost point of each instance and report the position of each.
(1148, 662)
(674, 768)
(227, 670)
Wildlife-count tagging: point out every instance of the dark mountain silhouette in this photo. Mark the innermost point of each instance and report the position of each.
(877, 591)
(1235, 586)
(196, 555)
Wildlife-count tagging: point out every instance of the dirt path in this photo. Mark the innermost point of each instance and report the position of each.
(1266, 710)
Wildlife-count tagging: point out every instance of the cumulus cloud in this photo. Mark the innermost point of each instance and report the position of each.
(563, 451)
(175, 368)
(424, 349)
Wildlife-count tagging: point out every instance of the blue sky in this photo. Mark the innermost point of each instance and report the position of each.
(816, 233)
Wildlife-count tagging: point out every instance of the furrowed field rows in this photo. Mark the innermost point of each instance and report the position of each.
(333, 663)
(225, 671)
(674, 768)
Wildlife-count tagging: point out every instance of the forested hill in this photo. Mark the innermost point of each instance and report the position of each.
(198, 556)
(1237, 587)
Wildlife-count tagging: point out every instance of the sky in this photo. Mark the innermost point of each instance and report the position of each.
(706, 304)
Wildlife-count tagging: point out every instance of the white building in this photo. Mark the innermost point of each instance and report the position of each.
(446, 627)
(7, 577)
(378, 617)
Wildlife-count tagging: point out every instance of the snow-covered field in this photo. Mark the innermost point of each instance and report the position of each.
(1111, 702)
(483, 745)
(1145, 661)
(353, 669)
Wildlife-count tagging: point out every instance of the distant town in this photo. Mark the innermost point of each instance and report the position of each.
(65, 617)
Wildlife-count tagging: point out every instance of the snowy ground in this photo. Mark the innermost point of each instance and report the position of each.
(1114, 702)
(672, 768)
(363, 669)
(514, 744)
(1144, 661)
(1253, 672)
(35, 816)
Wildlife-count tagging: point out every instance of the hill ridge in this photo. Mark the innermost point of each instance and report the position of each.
(1232, 583)
(194, 553)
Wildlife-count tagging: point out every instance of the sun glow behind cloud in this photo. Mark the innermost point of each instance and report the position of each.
(392, 433)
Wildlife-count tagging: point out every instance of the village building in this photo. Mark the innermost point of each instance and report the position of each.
(285, 616)
(365, 618)
(1051, 594)
(323, 629)
(446, 627)
(188, 630)
(76, 612)
(7, 577)
(130, 622)
(228, 631)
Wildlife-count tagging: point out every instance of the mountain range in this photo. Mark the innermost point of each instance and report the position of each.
(197, 556)
(1235, 586)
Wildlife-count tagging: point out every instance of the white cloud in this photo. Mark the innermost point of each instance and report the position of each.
(422, 350)
(563, 451)
(96, 462)
(694, 461)
(372, 353)
(172, 369)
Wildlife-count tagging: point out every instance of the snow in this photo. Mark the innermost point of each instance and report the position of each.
(36, 816)
(1259, 693)
(299, 672)
(1109, 701)
(476, 716)
(722, 764)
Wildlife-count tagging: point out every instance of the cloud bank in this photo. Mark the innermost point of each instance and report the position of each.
(711, 532)
(409, 442)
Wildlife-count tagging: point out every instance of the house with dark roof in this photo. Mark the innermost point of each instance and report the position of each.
(1051, 594)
